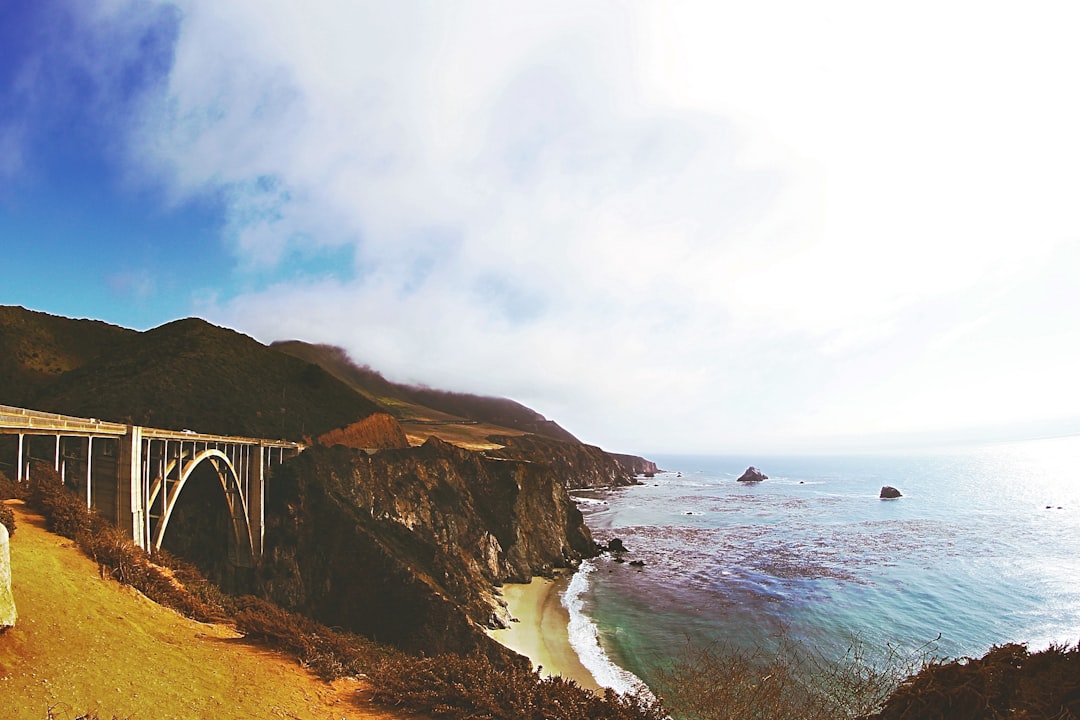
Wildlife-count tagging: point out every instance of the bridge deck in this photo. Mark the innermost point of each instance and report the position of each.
(14, 420)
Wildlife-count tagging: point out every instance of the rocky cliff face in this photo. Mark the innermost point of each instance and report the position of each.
(406, 545)
(636, 465)
(575, 465)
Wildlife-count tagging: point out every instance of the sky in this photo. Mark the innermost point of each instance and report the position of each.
(669, 226)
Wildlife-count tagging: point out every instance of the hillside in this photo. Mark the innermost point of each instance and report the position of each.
(191, 374)
(84, 643)
(36, 348)
(461, 418)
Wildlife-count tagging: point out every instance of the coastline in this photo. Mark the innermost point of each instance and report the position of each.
(541, 632)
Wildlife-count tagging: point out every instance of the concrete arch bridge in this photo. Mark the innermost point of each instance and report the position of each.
(134, 475)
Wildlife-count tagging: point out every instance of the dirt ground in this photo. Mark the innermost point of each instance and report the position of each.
(87, 644)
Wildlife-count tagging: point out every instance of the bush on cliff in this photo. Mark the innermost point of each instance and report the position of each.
(7, 519)
(1007, 682)
(472, 688)
(8, 490)
(788, 680)
(328, 653)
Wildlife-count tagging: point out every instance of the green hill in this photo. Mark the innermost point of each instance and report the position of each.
(37, 348)
(185, 374)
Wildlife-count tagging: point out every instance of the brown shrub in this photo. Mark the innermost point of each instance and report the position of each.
(7, 519)
(472, 688)
(379, 430)
(1006, 682)
(327, 652)
(788, 680)
(11, 490)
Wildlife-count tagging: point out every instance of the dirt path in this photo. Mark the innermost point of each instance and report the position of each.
(84, 644)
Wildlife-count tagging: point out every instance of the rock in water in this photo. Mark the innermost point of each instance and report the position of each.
(888, 492)
(615, 545)
(7, 600)
(752, 474)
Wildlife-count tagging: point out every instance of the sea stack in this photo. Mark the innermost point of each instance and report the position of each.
(752, 474)
(888, 492)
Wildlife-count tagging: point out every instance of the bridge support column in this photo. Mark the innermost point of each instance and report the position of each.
(19, 461)
(256, 498)
(89, 464)
(130, 504)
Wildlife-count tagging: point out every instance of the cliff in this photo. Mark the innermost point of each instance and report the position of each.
(405, 545)
(636, 465)
(575, 465)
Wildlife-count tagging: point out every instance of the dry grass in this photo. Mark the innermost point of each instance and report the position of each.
(85, 644)
(469, 436)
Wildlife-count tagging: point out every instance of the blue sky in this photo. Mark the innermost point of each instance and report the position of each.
(668, 226)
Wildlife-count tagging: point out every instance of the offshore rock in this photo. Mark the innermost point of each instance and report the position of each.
(7, 600)
(615, 545)
(752, 474)
(888, 492)
(406, 546)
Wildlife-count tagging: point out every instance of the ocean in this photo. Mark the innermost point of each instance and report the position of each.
(983, 548)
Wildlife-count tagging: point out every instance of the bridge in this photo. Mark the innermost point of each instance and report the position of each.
(133, 475)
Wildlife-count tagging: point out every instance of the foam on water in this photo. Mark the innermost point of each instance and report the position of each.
(585, 639)
(983, 548)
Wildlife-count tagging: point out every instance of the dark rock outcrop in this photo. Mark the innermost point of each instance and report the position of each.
(752, 474)
(615, 545)
(888, 492)
(406, 545)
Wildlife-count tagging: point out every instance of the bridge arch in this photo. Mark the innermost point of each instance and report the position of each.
(241, 540)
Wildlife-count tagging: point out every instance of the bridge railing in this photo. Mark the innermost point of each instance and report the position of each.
(14, 419)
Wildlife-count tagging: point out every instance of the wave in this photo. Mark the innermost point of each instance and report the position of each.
(585, 639)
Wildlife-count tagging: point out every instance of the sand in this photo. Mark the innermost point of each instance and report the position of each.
(542, 630)
(87, 644)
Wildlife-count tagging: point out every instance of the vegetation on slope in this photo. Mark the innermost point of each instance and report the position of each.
(378, 431)
(424, 405)
(36, 348)
(445, 686)
(191, 374)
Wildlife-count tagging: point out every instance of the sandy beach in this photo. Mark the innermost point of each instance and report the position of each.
(541, 631)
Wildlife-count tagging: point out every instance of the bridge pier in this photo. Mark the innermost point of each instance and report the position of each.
(129, 496)
(256, 497)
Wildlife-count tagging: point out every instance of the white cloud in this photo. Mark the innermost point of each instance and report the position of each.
(685, 225)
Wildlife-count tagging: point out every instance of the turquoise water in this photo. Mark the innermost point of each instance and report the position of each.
(983, 548)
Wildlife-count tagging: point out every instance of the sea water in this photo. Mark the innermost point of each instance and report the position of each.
(983, 548)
